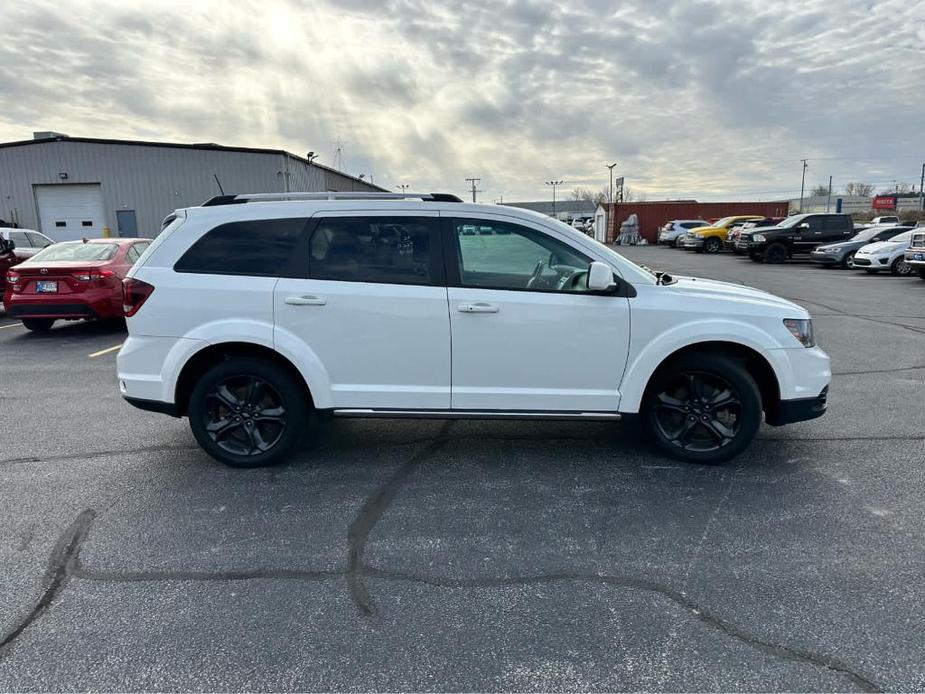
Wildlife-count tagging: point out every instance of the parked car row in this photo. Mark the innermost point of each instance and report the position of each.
(828, 239)
(71, 280)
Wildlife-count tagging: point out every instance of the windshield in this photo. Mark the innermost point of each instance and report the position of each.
(77, 251)
(724, 222)
(870, 233)
(792, 221)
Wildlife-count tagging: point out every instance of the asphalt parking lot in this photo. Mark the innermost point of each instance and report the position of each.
(472, 555)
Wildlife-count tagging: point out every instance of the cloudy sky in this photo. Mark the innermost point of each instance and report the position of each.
(694, 98)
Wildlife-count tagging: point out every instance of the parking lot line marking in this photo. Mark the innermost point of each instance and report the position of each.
(11, 325)
(105, 351)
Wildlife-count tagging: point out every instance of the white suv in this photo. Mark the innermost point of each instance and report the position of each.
(249, 312)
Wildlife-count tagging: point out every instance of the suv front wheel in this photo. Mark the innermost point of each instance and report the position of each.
(247, 412)
(703, 408)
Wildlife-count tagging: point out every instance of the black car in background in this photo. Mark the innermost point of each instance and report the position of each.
(796, 235)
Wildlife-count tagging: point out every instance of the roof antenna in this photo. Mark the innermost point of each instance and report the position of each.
(222, 190)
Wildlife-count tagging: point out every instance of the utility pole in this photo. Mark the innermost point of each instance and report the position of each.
(610, 197)
(403, 187)
(829, 201)
(802, 185)
(473, 181)
(922, 189)
(554, 184)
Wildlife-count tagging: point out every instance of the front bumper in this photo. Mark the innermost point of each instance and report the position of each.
(800, 410)
(827, 258)
(691, 242)
(872, 262)
(915, 258)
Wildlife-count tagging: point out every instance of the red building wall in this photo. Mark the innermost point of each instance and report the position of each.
(653, 215)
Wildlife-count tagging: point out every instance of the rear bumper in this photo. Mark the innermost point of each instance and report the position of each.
(90, 304)
(789, 411)
(24, 310)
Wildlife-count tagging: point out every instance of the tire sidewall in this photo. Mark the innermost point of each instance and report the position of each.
(775, 253)
(293, 399)
(737, 376)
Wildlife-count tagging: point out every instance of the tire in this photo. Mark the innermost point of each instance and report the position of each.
(721, 434)
(900, 268)
(237, 392)
(776, 253)
(712, 245)
(921, 272)
(38, 325)
(848, 261)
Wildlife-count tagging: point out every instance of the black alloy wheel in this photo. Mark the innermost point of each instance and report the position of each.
(775, 253)
(247, 412)
(703, 409)
(712, 245)
(245, 415)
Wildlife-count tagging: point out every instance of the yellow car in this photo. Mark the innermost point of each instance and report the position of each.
(710, 239)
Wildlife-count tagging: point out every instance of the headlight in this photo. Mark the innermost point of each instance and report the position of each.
(758, 238)
(833, 249)
(698, 235)
(802, 330)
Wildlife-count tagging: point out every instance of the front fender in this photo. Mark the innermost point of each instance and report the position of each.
(654, 351)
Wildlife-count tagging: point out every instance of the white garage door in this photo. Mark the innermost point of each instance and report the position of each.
(70, 211)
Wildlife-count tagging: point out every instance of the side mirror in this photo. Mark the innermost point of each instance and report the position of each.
(600, 277)
(804, 225)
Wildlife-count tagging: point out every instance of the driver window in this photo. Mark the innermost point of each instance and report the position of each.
(500, 255)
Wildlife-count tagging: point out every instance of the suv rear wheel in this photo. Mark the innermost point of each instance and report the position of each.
(775, 253)
(247, 412)
(703, 408)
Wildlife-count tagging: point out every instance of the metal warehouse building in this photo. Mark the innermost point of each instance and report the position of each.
(71, 187)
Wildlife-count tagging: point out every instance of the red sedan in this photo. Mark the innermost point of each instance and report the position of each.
(71, 280)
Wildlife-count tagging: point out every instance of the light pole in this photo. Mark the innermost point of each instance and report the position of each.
(403, 187)
(554, 184)
(609, 201)
(802, 186)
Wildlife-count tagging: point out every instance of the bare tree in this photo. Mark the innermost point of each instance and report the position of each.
(819, 190)
(864, 190)
(597, 197)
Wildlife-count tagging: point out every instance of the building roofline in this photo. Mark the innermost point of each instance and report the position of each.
(206, 146)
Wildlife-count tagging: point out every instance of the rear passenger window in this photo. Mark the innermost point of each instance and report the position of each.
(386, 250)
(261, 247)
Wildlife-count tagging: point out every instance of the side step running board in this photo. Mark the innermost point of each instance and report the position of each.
(474, 414)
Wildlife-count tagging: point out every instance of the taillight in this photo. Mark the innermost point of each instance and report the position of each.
(134, 294)
(12, 277)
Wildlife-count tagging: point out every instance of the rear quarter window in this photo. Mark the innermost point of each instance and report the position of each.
(261, 248)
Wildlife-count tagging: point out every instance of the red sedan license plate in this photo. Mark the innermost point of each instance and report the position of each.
(46, 287)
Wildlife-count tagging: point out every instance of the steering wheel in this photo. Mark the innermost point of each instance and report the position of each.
(537, 271)
(572, 282)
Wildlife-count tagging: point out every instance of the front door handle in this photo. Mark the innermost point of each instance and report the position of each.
(307, 300)
(477, 308)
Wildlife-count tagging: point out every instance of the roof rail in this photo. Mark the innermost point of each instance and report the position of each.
(280, 197)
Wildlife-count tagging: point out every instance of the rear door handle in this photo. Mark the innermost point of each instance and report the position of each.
(477, 308)
(307, 300)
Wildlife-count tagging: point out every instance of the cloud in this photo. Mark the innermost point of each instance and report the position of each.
(693, 97)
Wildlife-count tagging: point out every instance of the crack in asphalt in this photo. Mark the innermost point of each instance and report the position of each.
(878, 371)
(94, 454)
(64, 564)
(370, 513)
(57, 573)
(693, 608)
(912, 328)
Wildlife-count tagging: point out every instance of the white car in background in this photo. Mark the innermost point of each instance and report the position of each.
(28, 241)
(885, 256)
(672, 231)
